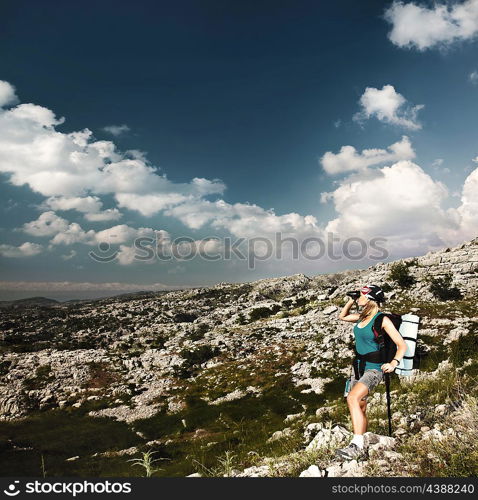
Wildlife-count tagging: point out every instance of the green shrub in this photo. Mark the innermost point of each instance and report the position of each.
(184, 317)
(193, 358)
(387, 287)
(199, 332)
(241, 320)
(4, 367)
(300, 301)
(401, 275)
(287, 303)
(199, 355)
(263, 312)
(442, 288)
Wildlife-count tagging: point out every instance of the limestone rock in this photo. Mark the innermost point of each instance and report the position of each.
(329, 310)
(312, 471)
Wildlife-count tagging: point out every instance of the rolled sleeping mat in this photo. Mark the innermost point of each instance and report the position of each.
(409, 331)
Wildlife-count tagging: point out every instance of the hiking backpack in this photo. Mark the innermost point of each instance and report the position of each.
(407, 325)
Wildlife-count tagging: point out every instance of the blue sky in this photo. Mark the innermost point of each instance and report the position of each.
(249, 97)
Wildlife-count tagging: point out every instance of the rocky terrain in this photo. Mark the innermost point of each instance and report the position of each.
(234, 379)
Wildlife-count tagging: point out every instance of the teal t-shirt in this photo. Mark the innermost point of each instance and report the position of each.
(365, 342)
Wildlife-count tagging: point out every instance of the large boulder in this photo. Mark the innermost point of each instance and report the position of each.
(326, 436)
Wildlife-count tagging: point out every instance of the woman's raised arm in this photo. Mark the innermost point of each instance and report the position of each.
(344, 313)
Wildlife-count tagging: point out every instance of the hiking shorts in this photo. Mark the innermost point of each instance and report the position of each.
(371, 378)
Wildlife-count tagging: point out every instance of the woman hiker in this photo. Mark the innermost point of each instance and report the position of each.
(370, 299)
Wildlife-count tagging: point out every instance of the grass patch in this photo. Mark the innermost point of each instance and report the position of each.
(57, 435)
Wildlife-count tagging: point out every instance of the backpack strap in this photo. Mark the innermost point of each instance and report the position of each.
(379, 334)
(380, 338)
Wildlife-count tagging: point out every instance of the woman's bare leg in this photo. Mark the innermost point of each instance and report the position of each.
(363, 407)
(359, 420)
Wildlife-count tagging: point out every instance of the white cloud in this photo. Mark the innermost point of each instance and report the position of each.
(26, 249)
(47, 224)
(86, 204)
(115, 235)
(65, 233)
(116, 130)
(245, 220)
(473, 77)
(73, 171)
(35, 116)
(90, 206)
(149, 204)
(348, 159)
(72, 234)
(122, 233)
(7, 94)
(104, 215)
(466, 215)
(126, 255)
(388, 106)
(400, 202)
(416, 26)
(73, 165)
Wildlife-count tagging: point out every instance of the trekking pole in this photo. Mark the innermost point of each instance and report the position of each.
(387, 387)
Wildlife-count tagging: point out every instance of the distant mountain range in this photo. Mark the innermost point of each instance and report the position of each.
(47, 302)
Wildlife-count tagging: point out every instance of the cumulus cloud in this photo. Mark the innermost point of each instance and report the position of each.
(90, 206)
(122, 235)
(47, 224)
(349, 159)
(73, 171)
(104, 215)
(85, 204)
(73, 165)
(466, 215)
(400, 202)
(126, 255)
(7, 94)
(149, 204)
(26, 249)
(420, 27)
(244, 219)
(66, 233)
(388, 106)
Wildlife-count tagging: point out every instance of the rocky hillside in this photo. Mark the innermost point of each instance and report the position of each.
(236, 379)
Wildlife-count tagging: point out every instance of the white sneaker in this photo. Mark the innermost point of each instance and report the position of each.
(351, 452)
